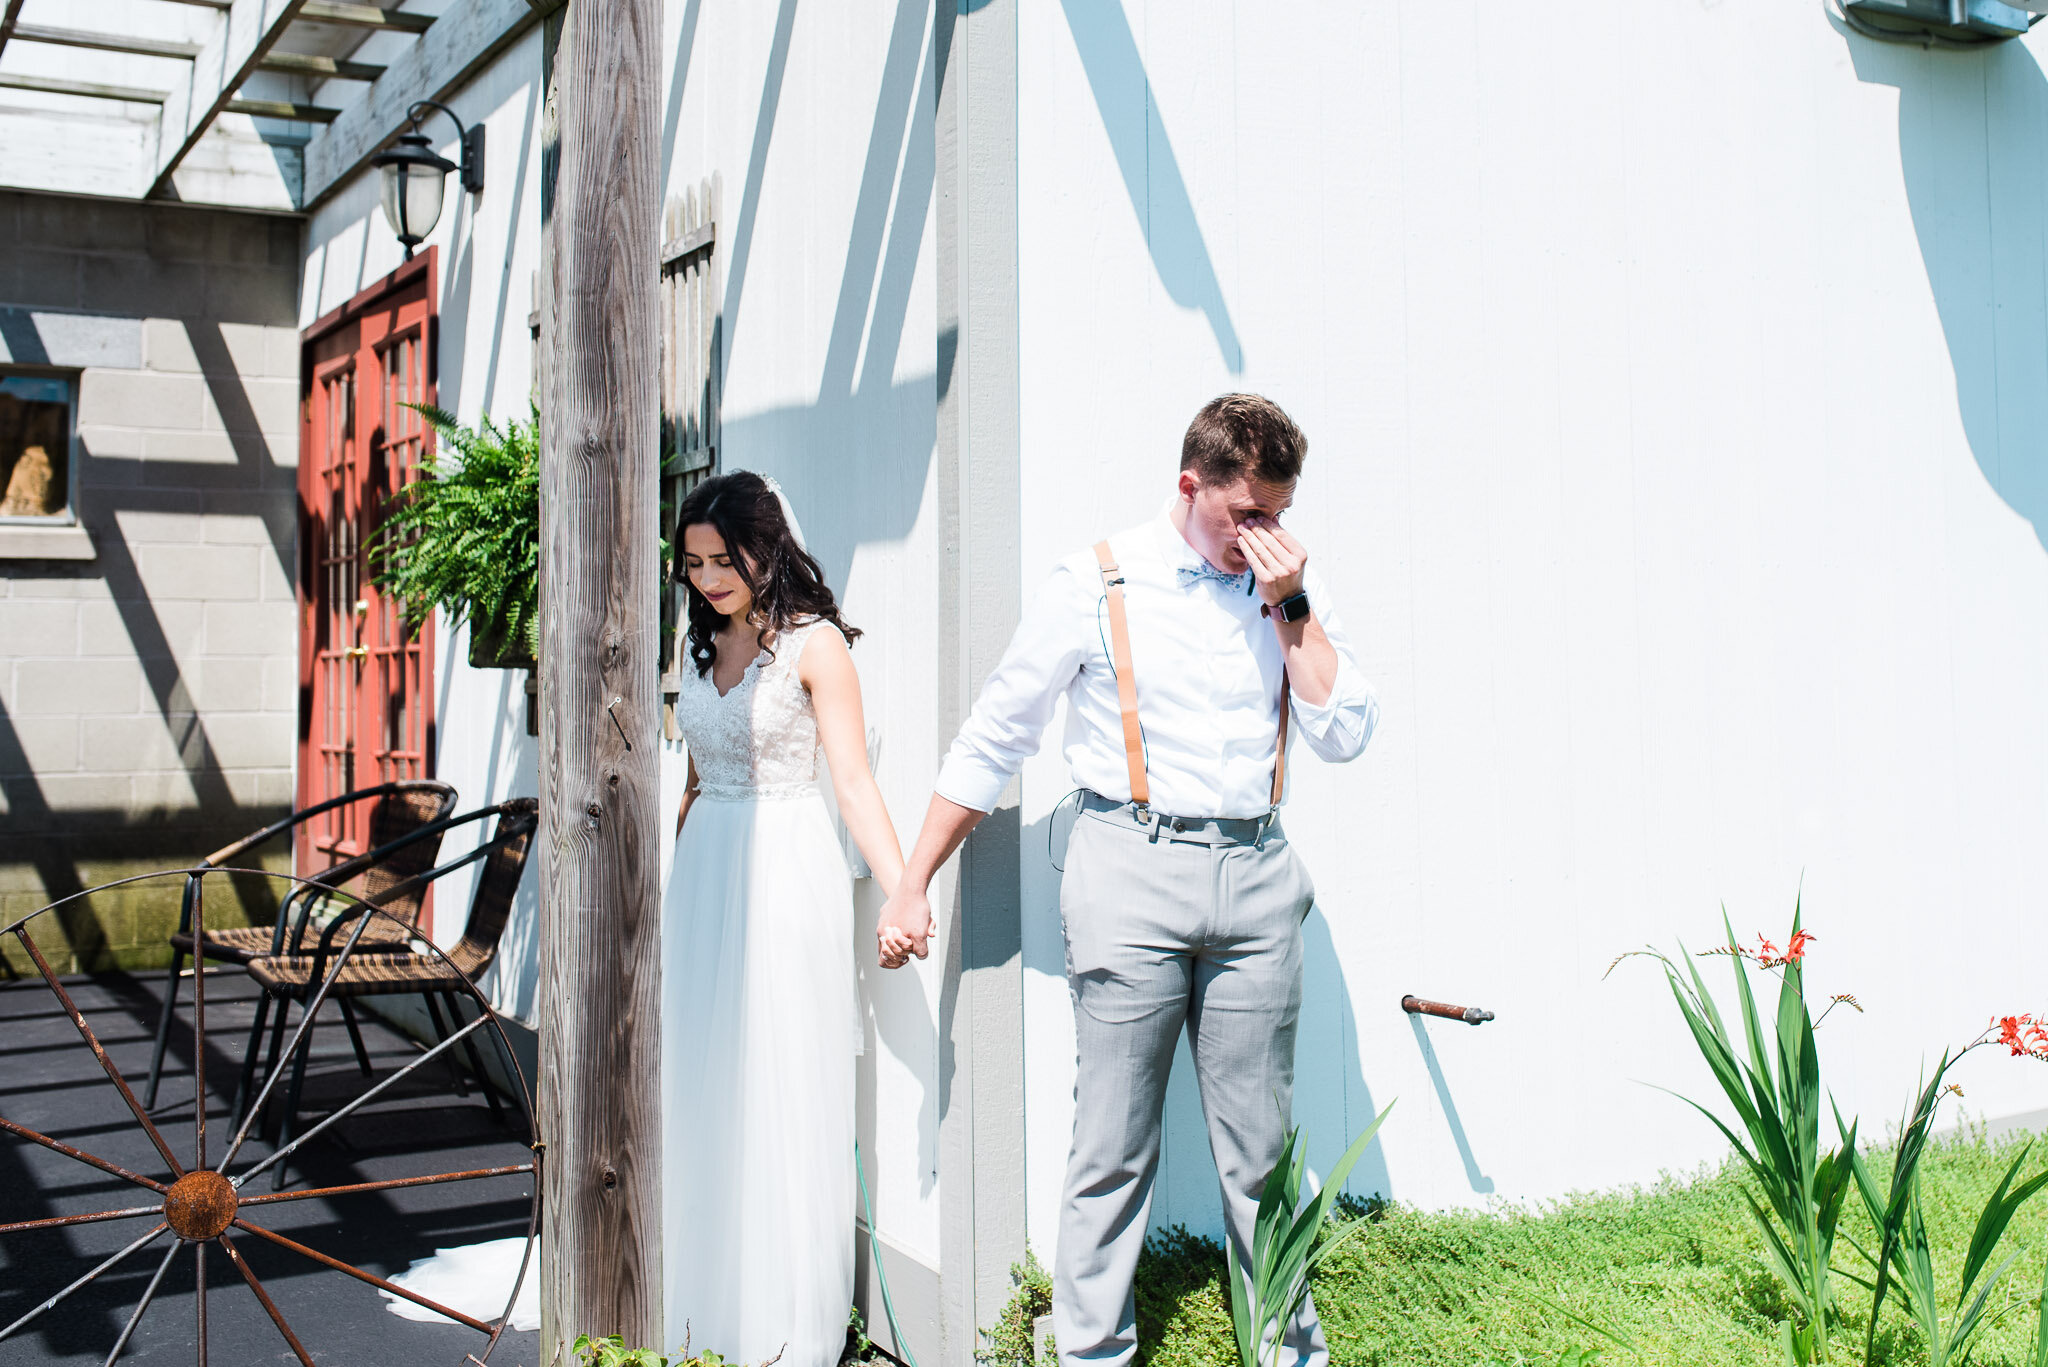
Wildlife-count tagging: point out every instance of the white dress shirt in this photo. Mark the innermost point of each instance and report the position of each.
(1208, 670)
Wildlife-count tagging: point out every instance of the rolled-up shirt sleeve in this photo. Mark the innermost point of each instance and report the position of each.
(1017, 701)
(1337, 728)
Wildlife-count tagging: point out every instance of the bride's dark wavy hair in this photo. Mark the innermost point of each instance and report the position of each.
(787, 583)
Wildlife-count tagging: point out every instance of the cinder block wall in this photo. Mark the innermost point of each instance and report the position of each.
(148, 696)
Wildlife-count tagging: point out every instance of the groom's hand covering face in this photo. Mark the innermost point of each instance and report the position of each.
(1276, 559)
(1236, 527)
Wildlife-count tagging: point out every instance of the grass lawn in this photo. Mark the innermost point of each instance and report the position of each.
(1677, 1268)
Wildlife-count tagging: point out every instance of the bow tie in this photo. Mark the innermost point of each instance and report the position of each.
(1189, 574)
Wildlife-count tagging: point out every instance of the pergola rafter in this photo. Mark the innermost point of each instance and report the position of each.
(312, 43)
(8, 17)
(244, 37)
(104, 42)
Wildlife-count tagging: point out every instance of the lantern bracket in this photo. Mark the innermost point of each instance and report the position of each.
(470, 138)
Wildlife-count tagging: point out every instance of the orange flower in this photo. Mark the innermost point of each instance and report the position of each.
(2023, 1035)
(1769, 955)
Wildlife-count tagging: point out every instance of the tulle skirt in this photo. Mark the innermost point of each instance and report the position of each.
(759, 1030)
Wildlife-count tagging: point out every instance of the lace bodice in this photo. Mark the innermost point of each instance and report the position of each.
(761, 739)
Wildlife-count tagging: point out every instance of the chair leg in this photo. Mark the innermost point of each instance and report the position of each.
(355, 1036)
(476, 1062)
(291, 1105)
(245, 1089)
(441, 1034)
(270, 1065)
(163, 1028)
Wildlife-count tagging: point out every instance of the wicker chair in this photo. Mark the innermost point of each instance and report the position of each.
(401, 809)
(384, 971)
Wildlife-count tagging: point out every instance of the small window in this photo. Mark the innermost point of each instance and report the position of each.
(35, 448)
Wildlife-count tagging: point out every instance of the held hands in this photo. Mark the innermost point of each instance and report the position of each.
(1276, 558)
(905, 928)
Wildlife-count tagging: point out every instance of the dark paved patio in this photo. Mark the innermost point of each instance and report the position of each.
(50, 1082)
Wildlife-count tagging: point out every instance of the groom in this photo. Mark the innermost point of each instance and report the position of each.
(1182, 904)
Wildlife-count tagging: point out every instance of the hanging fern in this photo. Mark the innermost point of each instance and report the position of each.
(465, 536)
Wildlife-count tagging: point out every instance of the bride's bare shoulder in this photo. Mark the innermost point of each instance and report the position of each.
(825, 656)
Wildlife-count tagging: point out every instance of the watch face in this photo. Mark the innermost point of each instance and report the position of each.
(1295, 608)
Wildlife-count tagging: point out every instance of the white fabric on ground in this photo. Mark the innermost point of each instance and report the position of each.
(475, 1279)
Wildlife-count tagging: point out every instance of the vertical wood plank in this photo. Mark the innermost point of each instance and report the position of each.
(600, 953)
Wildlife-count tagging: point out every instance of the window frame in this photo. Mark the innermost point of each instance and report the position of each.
(70, 516)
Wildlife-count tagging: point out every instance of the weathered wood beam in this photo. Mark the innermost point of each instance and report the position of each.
(600, 990)
(364, 16)
(319, 68)
(246, 34)
(282, 109)
(468, 34)
(103, 42)
(91, 90)
(207, 4)
(7, 18)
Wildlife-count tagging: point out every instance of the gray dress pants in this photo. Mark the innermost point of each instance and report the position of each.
(1187, 930)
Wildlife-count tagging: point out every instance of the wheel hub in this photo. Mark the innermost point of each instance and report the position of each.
(200, 1205)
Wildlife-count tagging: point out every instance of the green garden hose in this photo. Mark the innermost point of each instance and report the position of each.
(888, 1305)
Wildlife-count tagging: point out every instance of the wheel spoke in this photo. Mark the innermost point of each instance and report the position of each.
(55, 1221)
(115, 1258)
(80, 1154)
(339, 1266)
(198, 1024)
(92, 1041)
(269, 1306)
(385, 1185)
(199, 1280)
(290, 1148)
(148, 1295)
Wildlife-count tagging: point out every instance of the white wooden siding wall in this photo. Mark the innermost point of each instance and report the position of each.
(1676, 396)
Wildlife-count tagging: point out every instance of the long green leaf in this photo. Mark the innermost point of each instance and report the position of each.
(1294, 1249)
(2040, 1357)
(1998, 1212)
(1240, 1308)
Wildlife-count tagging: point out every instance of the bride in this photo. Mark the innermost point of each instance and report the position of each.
(759, 1021)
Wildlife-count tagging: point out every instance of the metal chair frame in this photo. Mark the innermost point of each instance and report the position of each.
(518, 820)
(302, 893)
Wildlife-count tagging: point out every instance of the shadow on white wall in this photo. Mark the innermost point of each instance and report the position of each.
(1971, 129)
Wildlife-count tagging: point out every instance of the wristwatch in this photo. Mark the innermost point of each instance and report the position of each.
(1290, 609)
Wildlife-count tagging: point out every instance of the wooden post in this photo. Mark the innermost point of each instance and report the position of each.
(600, 1077)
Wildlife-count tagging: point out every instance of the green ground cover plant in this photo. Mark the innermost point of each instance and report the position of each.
(1680, 1269)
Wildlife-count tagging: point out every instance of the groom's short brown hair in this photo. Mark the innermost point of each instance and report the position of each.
(1243, 436)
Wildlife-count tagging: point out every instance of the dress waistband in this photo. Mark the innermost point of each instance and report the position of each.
(747, 792)
(1191, 830)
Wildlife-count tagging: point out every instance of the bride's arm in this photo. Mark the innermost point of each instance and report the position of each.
(689, 796)
(826, 669)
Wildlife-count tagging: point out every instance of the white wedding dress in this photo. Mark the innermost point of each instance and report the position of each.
(759, 1030)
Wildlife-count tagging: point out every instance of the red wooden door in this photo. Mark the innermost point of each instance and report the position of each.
(365, 683)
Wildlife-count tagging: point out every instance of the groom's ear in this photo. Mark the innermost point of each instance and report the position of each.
(1189, 483)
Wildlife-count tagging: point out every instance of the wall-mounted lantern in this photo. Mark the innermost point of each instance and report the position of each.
(1941, 23)
(414, 176)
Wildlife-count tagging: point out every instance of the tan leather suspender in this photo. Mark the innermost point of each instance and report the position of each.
(1280, 750)
(1127, 689)
(1126, 678)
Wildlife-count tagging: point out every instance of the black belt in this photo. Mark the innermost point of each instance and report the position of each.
(1196, 830)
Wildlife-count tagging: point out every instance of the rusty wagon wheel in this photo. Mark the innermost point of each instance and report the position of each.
(203, 1201)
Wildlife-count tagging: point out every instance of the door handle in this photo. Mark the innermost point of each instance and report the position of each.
(357, 652)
